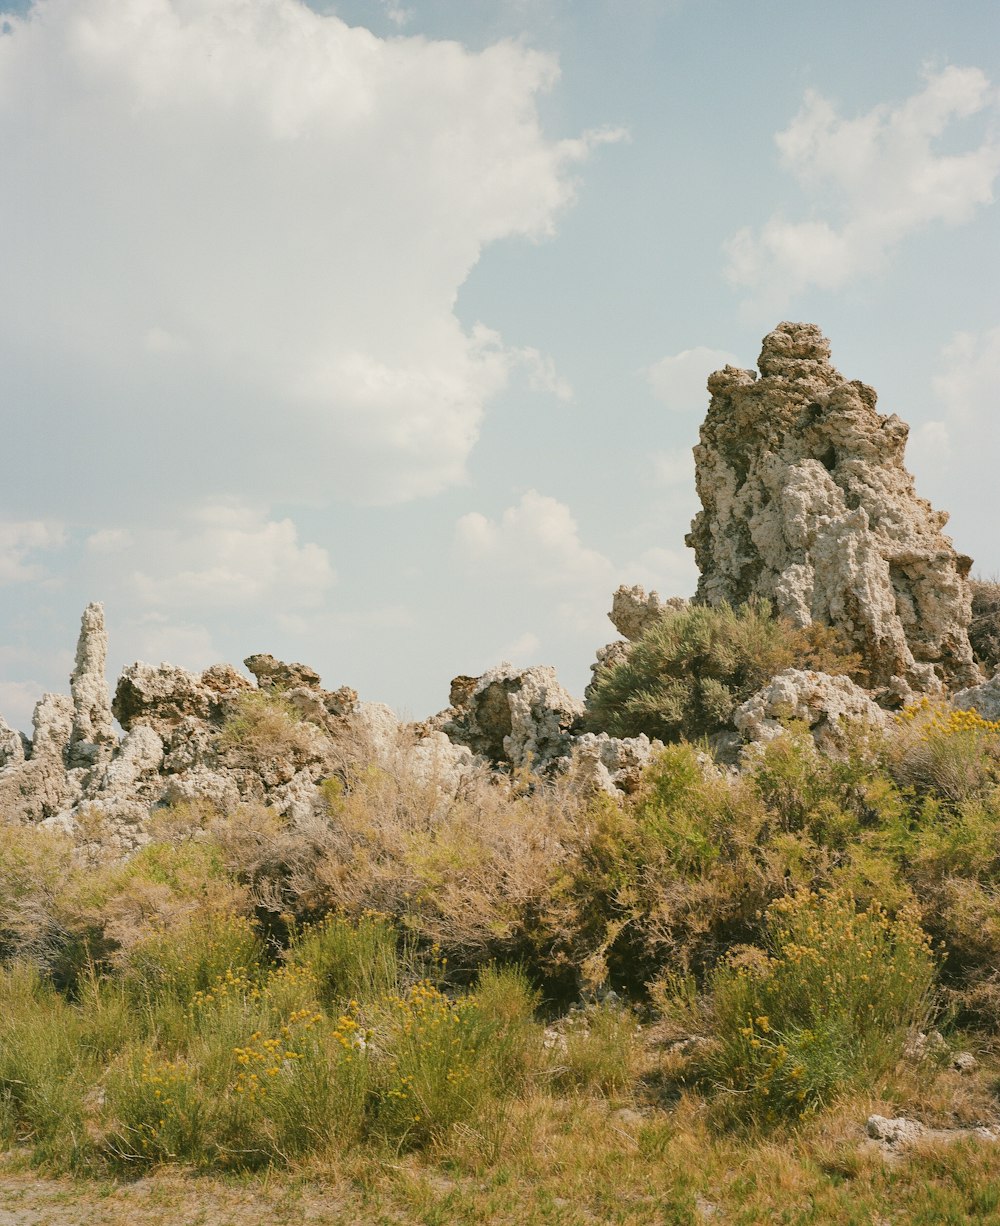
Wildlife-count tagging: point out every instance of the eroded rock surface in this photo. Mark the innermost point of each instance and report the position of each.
(985, 699)
(520, 717)
(828, 706)
(93, 733)
(614, 765)
(807, 503)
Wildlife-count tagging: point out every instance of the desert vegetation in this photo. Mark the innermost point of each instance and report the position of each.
(530, 990)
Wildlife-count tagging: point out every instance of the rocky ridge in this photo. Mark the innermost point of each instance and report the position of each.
(806, 504)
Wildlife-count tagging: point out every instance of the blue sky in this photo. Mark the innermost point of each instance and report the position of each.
(374, 334)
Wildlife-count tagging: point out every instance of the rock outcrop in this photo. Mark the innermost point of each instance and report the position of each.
(522, 718)
(93, 734)
(827, 706)
(614, 765)
(807, 503)
(983, 699)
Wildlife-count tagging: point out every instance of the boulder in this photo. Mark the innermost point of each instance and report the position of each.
(11, 746)
(633, 611)
(162, 696)
(522, 718)
(826, 705)
(276, 674)
(614, 765)
(806, 502)
(984, 699)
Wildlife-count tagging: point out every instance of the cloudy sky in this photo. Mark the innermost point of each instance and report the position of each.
(374, 334)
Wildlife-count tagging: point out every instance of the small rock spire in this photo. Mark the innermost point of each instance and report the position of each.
(93, 727)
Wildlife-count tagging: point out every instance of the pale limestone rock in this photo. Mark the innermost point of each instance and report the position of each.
(599, 762)
(520, 717)
(11, 746)
(36, 788)
(380, 727)
(807, 503)
(826, 705)
(983, 698)
(162, 696)
(898, 1131)
(428, 758)
(52, 722)
(633, 611)
(201, 784)
(433, 759)
(93, 732)
(139, 756)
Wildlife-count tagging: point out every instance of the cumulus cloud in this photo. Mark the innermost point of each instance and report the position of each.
(879, 177)
(20, 541)
(230, 555)
(538, 539)
(968, 384)
(679, 379)
(157, 638)
(246, 221)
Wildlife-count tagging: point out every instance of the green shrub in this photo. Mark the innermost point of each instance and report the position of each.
(178, 963)
(944, 752)
(828, 1005)
(45, 1067)
(439, 1062)
(263, 726)
(357, 959)
(687, 674)
(255, 1080)
(597, 1051)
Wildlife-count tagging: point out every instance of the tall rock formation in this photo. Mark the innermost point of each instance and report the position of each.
(93, 732)
(807, 503)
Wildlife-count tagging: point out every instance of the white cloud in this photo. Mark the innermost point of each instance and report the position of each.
(928, 445)
(249, 217)
(674, 467)
(882, 178)
(230, 556)
(969, 384)
(109, 540)
(538, 539)
(157, 638)
(679, 379)
(19, 541)
(523, 650)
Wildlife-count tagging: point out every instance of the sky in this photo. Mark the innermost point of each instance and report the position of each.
(374, 333)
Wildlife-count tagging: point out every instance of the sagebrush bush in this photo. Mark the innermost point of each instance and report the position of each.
(264, 727)
(691, 669)
(984, 629)
(953, 754)
(597, 1048)
(828, 1004)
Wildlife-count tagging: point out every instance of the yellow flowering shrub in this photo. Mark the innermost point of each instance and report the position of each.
(944, 751)
(828, 1005)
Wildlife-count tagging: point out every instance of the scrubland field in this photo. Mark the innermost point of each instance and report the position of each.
(525, 1002)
